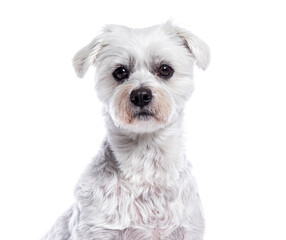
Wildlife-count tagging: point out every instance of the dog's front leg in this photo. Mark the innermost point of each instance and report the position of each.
(194, 223)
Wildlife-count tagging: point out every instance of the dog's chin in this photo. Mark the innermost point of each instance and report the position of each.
(142, 122)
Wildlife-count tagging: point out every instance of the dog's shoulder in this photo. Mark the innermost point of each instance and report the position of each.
(100, 174)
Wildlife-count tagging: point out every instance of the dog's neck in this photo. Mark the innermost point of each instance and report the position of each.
(155, 159)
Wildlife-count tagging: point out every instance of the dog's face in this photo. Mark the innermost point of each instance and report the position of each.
(144, 76)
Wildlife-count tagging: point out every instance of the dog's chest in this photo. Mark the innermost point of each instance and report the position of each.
(152, 194)
(153, 209)
(147, 199)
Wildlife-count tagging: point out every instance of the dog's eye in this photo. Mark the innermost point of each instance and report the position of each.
(120, 73)
(165, 71)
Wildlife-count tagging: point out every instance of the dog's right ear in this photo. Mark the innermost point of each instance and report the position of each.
(86, 56)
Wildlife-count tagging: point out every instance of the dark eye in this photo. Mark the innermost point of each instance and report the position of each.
(120, 73)
(165, 71)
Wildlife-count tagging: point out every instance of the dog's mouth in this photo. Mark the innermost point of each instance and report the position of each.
(143, 115)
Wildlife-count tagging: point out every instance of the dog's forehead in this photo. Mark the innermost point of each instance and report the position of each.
(141, 46)
(139, 37)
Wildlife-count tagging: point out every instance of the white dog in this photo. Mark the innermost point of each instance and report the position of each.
(140, 185)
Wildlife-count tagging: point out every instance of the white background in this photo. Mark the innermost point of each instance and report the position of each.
(51, 124)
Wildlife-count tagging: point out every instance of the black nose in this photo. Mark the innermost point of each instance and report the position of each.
(141, 97)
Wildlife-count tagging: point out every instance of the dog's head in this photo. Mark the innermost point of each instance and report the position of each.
(143, 76)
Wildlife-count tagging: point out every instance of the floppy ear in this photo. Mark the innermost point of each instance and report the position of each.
(196, 46)
(86, 56)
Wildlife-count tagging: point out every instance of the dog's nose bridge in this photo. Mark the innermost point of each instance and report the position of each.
(143, 79)
(143, 76)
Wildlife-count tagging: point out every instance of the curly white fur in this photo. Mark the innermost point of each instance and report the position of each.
(140, 185)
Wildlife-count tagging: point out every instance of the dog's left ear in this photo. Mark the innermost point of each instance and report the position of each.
(196, 46)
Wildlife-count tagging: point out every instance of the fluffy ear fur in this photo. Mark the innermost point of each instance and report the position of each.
(197, 47)
(86, 56)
